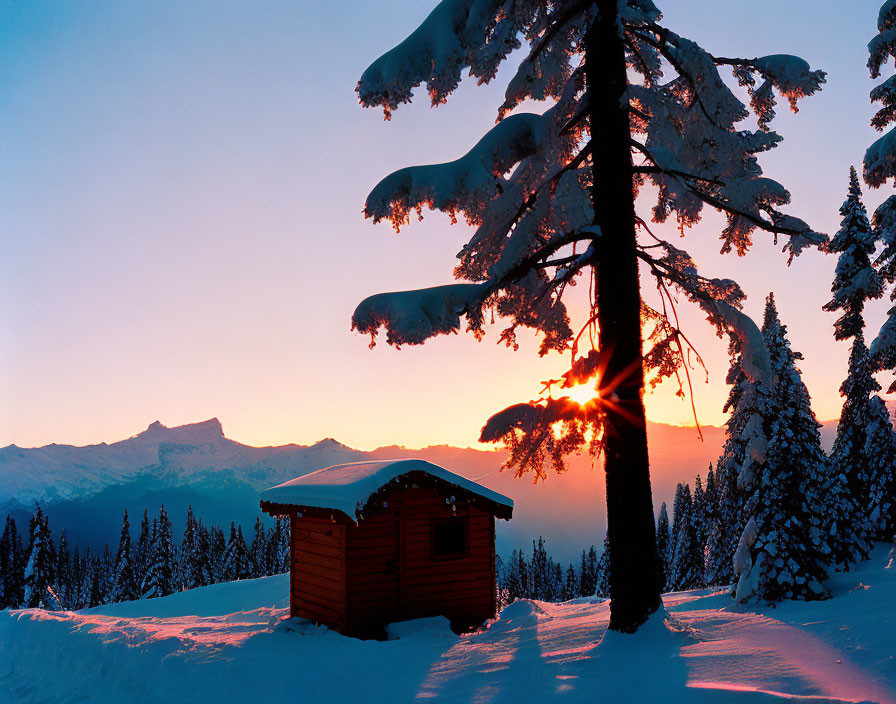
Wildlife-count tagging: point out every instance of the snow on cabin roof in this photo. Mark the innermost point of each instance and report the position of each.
(348, 487)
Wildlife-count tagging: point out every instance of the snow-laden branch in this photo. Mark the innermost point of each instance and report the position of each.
(883, 348)
(755, 360)
(720, 299)
(465, 184)
(883, 46)
(547, 430)
(457, 34)
(789, 75)
(412, 317)
(544, 74)
(880, 160)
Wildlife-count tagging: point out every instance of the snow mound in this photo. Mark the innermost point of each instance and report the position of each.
(432, 627)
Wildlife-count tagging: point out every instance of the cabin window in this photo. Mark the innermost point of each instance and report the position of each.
(449, 538)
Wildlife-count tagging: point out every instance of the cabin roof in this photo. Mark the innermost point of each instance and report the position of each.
(348, 487)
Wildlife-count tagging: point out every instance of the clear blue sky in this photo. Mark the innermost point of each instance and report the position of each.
(180, 195)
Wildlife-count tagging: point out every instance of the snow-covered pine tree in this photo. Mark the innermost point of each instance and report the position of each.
(699, 508)
(500, 582)
(12, 575)
(529, 186)
(163, 570)
(880, 451)
(856, 280)
(849, 496)
(192, 571)
(525, 574)
(107, 575)
(213, 546)
(570, 584)
(710, 515)
(143, 555)
(677, 515)
(97, 591)
(124, 583)
(879, 167)
(40, 570)
(588, 572)
(784, 548)
(558, 585)
(663, 541)
(283, 550)
(273, 536)
(258, 551)
(64, 573)
(742, 454)
(79, 573)
(236, 556)
(602, 578)
(513, 587)
(539, 571)
(686, 565)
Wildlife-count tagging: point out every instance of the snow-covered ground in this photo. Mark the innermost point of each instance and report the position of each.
(231, 643)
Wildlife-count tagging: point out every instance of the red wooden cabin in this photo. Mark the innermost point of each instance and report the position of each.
(378, 542)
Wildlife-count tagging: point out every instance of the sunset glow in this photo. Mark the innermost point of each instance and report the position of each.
(188, 318)
(581, 393)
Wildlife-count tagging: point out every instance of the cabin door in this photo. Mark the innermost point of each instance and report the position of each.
(389, 577)
(397, 569)
(374, 576)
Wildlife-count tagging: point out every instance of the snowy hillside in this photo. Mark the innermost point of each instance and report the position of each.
(230, 642)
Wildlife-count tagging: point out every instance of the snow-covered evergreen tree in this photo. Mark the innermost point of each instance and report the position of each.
(40, 570)
(686, 564)
(663, 541)
(213, 546)
(602, 572)
(856, 280)
(124, 583)
(633, 103)
(82, 598)
(98, 583)
(784, 548)
(64, 573)
(192, 571)
(12, 577)
(143, 556)
(540, 572)
(588, 572)
(742, 457)
(236, 556)
(517, 577)
(258, 550)
(283, 551)
(849, 497)
(570, 584)
(879, 167)
(710, 516)
(558, 585)
(699, 508)
(163, 570)
(880, 452)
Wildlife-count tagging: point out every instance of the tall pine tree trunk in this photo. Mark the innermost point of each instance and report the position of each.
(635, 569)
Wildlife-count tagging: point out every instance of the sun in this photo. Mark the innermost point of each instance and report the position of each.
(581, 393)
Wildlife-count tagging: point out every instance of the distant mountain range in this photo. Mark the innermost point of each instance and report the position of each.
(85, 489)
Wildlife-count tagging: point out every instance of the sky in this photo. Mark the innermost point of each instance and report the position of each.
(181, 186)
